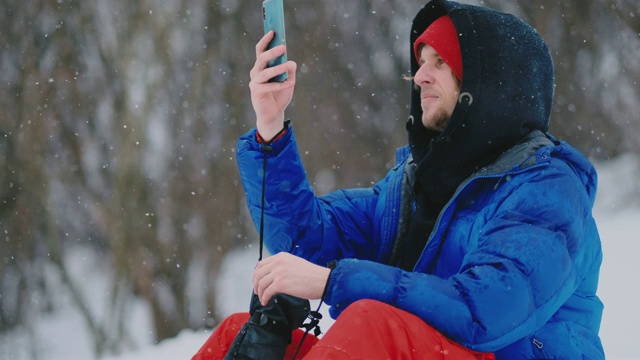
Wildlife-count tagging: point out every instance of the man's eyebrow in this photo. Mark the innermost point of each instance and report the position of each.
(433, 55)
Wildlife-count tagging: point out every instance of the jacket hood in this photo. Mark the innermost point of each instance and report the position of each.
(507, 92)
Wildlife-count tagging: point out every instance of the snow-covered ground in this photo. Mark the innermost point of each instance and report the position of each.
(63, 336)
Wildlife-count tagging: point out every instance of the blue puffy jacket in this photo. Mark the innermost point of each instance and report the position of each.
(511, 267)
(512, 264)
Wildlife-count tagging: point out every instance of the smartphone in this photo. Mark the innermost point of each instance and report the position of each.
(273, 17)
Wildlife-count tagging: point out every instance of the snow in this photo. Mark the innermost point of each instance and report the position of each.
(617, 213)
(63, 335)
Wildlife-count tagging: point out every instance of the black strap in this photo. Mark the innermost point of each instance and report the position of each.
(267, 149)
(314, 316)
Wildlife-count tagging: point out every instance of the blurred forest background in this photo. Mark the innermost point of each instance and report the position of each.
(120, 118)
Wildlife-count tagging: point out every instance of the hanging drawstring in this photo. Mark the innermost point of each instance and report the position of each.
(266, 148)
(314, 316)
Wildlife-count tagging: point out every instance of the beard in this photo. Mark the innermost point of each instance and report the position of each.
(438, 121)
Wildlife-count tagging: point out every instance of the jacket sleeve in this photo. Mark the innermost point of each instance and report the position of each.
(533, 250)
(319, 229)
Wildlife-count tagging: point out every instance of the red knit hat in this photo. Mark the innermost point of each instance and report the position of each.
(441, 35)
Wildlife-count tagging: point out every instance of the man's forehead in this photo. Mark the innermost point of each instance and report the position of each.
(428, 51)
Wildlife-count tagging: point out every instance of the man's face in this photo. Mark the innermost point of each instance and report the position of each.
(439, 89)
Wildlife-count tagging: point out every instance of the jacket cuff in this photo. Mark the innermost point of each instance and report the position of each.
(331, 265)
(277, 137)
(249, 142)
(354, 280)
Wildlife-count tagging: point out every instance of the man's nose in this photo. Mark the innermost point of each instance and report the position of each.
(423, 75)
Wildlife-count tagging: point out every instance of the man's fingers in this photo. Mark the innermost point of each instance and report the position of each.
(258, 274)
(267, 294)
(263, 289)
(266, 287)
(262, 276)
(292, 68)
(261, 46)
(268, 73)
(264, 75)
(263, 58)
(272, 53)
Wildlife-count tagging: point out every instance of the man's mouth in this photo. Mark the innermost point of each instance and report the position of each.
(428, 97)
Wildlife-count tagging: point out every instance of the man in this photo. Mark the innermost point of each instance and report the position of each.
(479, 243)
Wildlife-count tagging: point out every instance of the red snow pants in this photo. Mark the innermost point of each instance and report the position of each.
(367, 330)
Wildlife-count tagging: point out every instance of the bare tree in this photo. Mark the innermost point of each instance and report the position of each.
(120, 122)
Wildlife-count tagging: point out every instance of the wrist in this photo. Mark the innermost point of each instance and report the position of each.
(269, 139)
(270, 130)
